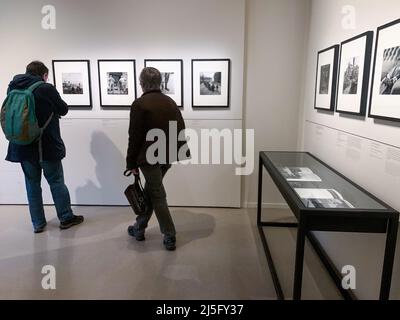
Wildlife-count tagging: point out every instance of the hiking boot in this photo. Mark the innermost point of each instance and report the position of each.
(139, 236)
(40, 228)
(170, 243)
(75, 220)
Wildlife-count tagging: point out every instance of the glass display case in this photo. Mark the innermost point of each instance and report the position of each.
(322, 199)
(318, 186)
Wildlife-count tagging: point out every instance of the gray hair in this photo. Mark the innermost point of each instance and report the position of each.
(150, 79)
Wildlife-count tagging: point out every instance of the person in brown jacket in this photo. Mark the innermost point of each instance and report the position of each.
(154, 110)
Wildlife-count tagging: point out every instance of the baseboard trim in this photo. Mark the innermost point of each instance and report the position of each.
(266, 205)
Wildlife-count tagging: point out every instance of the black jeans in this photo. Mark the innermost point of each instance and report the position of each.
(157, 196)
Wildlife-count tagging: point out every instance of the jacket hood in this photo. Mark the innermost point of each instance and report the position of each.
(23, 81)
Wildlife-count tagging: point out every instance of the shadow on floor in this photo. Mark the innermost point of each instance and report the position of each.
(190, 226)
(104, 221)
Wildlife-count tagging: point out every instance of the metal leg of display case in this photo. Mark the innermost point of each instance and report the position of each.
(280, 224)
(391, 239)
(334, 273)
(259, 195)
(271, 265)
(298, 269)
(274, 275)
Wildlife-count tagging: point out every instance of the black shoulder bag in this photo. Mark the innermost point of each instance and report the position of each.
(136, 195)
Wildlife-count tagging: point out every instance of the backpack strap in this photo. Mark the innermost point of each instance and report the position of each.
(35, 86)
(41, 134)
(32, 88)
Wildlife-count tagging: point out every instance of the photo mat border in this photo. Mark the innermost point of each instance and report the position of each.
(227, 106)
(366, 73)
(334, 78)
(370, 114)
(116, 107)
(182, 75)
(82, 107)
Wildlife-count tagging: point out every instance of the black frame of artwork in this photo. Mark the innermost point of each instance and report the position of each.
(370, 115)
(367, 70)
(182, 75)
(135, 85)
(90, 106)
(229, 86)
(334, 78)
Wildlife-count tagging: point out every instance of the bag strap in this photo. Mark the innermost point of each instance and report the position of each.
(128, 173)
(138, 181)
(41, 135)
(34, 86)
(47, 122)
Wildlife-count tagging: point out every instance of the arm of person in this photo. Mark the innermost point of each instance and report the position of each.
(137, 136)
(181, 122)
(182, 128)
(60, 106)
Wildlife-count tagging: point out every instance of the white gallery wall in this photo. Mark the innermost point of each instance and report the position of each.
(276, 40)
(96, 140)
(365, 150)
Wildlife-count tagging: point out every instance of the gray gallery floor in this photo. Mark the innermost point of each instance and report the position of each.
(219, 256)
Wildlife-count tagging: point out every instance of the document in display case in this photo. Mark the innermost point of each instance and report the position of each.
(298, 174)
(322, 198)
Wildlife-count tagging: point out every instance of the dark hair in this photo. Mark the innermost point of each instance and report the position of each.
(150, 79)
(37, 68)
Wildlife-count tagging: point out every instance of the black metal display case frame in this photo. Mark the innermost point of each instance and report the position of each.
(323, 219)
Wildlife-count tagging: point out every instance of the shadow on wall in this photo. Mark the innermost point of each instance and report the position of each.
(110, 164)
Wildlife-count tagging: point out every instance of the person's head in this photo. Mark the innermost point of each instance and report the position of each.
(150, 79)
(37, 68)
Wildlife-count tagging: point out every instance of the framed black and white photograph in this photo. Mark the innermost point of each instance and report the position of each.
(72, 80)
(354, 71)
(172, 77)
(117, 82)
(326, 78)
(211, 83)
(385, 91)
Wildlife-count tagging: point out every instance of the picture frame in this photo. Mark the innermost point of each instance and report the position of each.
(354, 74)
(117, 82)
(326, 79)
(172, 77)
(73, 82)
(211, 83)
(385, 87)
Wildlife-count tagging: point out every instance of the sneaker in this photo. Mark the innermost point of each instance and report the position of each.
(75, 220)
(139, 236)
(170, 243)
(40, 228)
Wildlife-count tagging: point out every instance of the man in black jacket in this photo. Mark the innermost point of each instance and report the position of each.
(47, 102)
(154, 110)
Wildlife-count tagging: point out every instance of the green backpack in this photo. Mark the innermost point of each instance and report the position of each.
(18, 117)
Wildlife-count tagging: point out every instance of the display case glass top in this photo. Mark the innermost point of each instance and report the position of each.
(319, 186)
